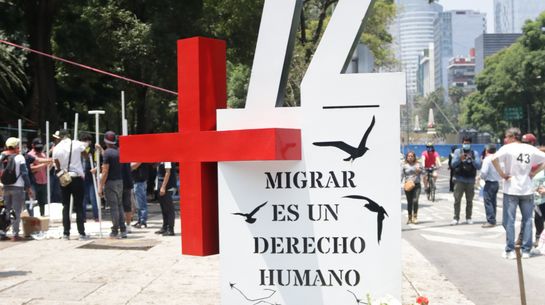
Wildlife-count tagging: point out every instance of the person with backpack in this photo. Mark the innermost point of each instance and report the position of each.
(465, 163)
(14, 176)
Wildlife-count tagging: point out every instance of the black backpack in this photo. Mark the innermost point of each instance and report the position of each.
(9, 174)
(466, 169)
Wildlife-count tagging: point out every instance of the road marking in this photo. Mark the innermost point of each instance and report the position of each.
(463, 242)
(441, 230)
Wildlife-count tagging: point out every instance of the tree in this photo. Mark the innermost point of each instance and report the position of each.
(511, 87)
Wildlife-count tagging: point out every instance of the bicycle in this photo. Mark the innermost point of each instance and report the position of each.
(431, 184)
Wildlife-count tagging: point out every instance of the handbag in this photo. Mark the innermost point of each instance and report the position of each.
(408, 185)
(64, 175)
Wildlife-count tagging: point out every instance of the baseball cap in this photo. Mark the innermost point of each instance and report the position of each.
(529, 138)
(12, 142)
(110, 137)
(37, 142)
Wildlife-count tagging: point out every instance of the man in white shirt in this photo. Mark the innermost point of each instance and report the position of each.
(518, 159)
(491, 180)
(67, 155)
(14, 193)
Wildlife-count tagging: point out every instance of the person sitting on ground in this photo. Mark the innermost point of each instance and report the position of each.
(491, 186)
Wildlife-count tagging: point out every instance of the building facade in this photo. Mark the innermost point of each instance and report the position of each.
(413, 30)
(489, 44)
(461, 73)
(455, 34)
(510, 15)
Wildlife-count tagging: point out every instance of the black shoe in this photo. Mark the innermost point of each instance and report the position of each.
(168, 233)
(4, 237)
(161, 231)
(137, 225)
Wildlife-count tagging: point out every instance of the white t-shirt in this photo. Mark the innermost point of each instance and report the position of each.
(61, 152)
(518, 159)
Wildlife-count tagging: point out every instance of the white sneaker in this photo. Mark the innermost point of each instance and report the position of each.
(526, 255)
(509, 255)
(469, 221)
(454, 222)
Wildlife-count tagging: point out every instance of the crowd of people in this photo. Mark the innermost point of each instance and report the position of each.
(122, 188)
(518, 165)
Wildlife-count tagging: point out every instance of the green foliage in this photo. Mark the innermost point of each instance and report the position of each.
(237, 84)
(13, 84)
(512, 78)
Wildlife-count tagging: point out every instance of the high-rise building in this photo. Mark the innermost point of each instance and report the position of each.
(413, 30)
(455, 33)
(489, 44)
(510, 15)
(461, 72)
(426, 71)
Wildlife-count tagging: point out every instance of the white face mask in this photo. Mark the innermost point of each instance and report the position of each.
(466, 146)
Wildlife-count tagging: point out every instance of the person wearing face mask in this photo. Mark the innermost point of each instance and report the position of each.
(465, 163)
(38, 168)
(430, 161)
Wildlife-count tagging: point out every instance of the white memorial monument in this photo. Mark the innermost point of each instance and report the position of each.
(326, 229)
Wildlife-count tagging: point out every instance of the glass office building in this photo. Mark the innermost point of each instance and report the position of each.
(413, 30)
(510, 15)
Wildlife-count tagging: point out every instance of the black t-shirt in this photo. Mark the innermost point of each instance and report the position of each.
(111, 157)
(126, 173)
(141, 174)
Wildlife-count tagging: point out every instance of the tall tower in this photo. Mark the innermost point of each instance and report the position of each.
(510, 15)
(455, 34)
(413, 31)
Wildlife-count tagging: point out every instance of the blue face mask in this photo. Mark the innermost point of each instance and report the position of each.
(466, 146)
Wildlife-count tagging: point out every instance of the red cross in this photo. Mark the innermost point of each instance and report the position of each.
(198, 147)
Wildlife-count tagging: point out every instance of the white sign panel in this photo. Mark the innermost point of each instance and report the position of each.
(326, 229)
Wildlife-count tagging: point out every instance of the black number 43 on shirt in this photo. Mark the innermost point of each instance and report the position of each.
(524, 158)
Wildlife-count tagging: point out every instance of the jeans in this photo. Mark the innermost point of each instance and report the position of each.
(459, 189)
(412, 199)
(539, 219)
(140, 190)
(526, 204)
(74, 189)
(14, 198)
(113, 192)
(89, 197)
(490, 191)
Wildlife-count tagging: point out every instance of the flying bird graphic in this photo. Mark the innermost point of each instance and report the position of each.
(352, 151)
(373, 207)
(249, 216)
(358, 300)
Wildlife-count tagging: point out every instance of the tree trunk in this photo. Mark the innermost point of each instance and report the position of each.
(42, 104)
(143, 118)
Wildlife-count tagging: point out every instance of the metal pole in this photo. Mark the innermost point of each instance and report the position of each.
(48, 170)
(76, 121)
(65, 125)
(96, 197)
(97, 113)
(123, 120)
(521, 276)
(20, 135)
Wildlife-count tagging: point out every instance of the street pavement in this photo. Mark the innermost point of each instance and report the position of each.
(469, 256)
(148, 268)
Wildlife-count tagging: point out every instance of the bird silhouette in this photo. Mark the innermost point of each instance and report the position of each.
(373, 207)
(249, 216)
(352, 151)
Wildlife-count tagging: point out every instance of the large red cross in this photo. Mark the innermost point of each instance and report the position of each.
(198, 146)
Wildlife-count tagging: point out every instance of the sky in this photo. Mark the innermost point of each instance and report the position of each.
(483, 6)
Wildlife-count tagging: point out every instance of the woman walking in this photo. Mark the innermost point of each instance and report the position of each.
(411, 184)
